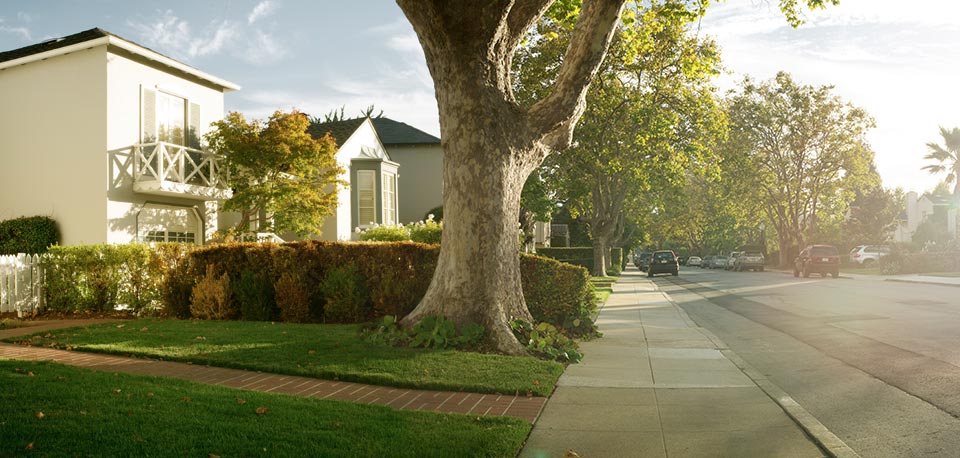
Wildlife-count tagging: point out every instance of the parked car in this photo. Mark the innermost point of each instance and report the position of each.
(731, 260)
(718, 262)
(663, 262)
(749, 261)
(682, 260)
(643, 261)
(868, 255)
(707, 262)
(694, 261)
(821, 259)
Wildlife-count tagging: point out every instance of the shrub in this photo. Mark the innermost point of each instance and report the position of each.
(28, 234)
(292, 298)
(386, 233)
(433, 332)
(546, 341)
(345, 293)
(578, 256)
(211, 299)
(253, 292)
(435, 213)
(103, 277)
(426, 231)
(616, 261)
(559, 294)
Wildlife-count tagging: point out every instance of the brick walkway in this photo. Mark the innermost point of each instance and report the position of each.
(523, 407)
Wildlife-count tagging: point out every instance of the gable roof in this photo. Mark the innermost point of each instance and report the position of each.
(397, 133)
(97, 37)
(339, 130)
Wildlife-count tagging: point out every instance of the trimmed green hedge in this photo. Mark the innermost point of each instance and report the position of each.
(395, 276)
(105, 277)
(28, 234)
(583, 257)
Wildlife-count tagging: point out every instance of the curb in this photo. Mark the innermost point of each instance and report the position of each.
(921, 282)
(825, 439)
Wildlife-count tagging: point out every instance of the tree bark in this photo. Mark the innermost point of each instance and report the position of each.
(599, 256)
(491, 145)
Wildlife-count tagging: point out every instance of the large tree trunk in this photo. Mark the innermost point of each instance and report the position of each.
(491, 145)
(786, 244)
(600, 252)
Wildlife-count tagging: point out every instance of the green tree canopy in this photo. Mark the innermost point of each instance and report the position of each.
(283, 179)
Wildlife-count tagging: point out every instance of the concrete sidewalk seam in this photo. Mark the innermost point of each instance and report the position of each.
(828, 441)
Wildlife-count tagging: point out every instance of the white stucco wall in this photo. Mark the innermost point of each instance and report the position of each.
(420, 185)
(53, 118)
(126, 75)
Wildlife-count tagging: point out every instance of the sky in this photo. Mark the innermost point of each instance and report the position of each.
(898, 60)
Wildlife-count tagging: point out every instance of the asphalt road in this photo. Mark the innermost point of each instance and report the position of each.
(877, 362)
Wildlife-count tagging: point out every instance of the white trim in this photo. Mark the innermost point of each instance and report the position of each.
(128, 46)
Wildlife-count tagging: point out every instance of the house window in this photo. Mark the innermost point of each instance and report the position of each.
(170, 236)
(366, 197)
(171, 118)
(389, 198)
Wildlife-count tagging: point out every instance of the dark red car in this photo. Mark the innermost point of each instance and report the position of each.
(822, 259)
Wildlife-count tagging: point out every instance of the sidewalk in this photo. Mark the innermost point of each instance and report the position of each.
(522, 407)
(656, 386)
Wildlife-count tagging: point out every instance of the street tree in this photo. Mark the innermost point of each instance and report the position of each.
(808, 148)
(947, 157)
(873, 215)
(283, 179)
(492, 144)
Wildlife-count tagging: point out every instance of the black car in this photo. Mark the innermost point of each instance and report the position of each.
(821, 259)
(643, 261)
(663, 262)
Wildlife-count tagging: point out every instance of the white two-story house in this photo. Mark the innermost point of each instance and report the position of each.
(103, 135)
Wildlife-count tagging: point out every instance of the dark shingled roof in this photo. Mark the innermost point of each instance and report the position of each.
(397, 133)
(54, 43)
(339, 130)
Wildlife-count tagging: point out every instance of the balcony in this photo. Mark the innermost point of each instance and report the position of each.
(166, 169)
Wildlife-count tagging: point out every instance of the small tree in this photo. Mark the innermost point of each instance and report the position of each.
(283, 179)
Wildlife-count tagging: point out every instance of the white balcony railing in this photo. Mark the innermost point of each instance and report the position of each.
(175, 170)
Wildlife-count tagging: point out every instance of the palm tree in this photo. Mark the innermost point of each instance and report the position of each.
(947, 157)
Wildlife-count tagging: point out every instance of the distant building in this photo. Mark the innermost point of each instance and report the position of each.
(922, 208)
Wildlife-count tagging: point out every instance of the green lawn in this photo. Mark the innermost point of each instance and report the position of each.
(314, 350)
(602, 294)
(50, 410)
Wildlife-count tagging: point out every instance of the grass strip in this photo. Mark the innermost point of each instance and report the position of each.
(50, 410)
(325, 351)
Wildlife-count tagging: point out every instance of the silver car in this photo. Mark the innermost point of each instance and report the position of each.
(868, 255)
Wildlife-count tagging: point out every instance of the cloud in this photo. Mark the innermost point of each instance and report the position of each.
(223, 33)
(263, 9)
(22, 31)
(262, 49)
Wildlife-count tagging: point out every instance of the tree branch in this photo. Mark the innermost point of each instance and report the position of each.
(557, 114)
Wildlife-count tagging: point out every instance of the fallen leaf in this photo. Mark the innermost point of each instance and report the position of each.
(536, 382)
(311, 352)
(529, 394)
(40, 415)
(201, 338)
(143, 329)
(129, 395)
(69, 348)
(120, 326)
(149, 395)
(426, 372)
(18, 370)
(61, 378)
(262, 410)
(29, 446)
(213, 456)
(30, 374)
(186, 399)
(83, 412)
(241, 401)
(137, 437)
(571, 454)
(116, 391)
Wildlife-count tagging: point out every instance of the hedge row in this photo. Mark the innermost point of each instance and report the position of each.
(28, 234)
(300, 282)
(915, 263)
(583, 257)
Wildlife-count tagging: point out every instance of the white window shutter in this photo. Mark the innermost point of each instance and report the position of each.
(366, 197)
(148, 115)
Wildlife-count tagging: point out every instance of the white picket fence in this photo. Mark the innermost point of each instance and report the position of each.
(21, 284)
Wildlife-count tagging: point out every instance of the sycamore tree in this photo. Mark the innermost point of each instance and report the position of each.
(491, 143)
(808, 151)
(283, 179)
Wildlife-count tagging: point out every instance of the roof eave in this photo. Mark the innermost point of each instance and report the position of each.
(111, 40)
